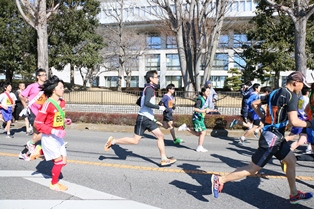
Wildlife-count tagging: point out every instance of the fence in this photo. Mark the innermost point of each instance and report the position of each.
(109, 101)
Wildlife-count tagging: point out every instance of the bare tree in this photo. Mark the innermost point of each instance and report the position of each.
(124, 43)
(35, 13)
(299, 12)
(196, 25)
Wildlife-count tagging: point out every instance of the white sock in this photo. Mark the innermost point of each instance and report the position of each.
(113, 142)
(242, 138)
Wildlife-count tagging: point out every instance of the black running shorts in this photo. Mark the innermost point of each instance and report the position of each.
(142, 124)
(263, 155)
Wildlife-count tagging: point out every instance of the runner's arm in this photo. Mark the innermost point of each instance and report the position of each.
(149, 93)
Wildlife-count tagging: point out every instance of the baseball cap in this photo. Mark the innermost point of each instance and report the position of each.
(208, 82)
(298, 76)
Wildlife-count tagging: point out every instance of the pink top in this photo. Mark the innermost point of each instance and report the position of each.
(30, 92)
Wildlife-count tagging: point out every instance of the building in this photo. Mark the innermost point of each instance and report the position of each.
(161, 51)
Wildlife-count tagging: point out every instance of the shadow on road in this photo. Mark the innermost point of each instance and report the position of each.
(122, 154)
(45, 167)
(196, 190)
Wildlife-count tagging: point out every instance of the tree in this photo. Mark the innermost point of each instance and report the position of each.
(35, 13)
(124, 44)
(197, 26)
(17, 40)
(299, 12)
(234, 82)
(73, 39)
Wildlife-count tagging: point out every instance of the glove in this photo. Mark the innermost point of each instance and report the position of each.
(162, 108)
(58, 133)
(173, 106)
(68, 121)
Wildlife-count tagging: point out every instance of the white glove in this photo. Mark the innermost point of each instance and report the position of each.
(162, 108)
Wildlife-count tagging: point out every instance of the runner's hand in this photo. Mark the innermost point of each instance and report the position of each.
(68, 121)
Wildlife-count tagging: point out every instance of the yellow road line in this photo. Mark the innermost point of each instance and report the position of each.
(170, 170)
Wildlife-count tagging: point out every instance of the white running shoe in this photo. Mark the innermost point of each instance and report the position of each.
(183, 127)
(201, 149)
(24, 157)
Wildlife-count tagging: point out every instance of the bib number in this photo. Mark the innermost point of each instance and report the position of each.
(58, 120)
(41, 100)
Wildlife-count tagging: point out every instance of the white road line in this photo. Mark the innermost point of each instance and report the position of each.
(90, 198)
(71, 204)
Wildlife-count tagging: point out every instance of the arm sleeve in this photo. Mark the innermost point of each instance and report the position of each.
(40, 120)
(292, 103)
(149, 93)
(26, 91)
(198, 104)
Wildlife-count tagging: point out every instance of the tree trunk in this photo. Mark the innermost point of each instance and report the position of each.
(42, 38)
(72, 76)
(299, 45)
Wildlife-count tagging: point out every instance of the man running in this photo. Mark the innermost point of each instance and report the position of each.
(145, 120)
(282, 108)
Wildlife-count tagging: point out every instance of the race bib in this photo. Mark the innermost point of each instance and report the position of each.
(58, 120)
(170, 103)
(41, 100)
(8, 102)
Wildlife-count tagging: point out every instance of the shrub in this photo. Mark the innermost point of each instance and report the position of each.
(211, 121)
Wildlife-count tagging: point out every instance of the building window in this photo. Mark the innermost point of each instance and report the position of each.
(176, 80)
(111, 81)
(223, 41)
(239, 62)
(152, 62)
(171, 42)
(134, 81)
(173, 62)
(220, 62)
(283, 80)
(153, 42)
(242, 6)
(239, 40)
(218, 81)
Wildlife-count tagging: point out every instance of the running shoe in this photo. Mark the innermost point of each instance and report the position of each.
(234, 122)
(9, 136)
(216, 186)
(178, 141)
(58, 187)
(300, 197)
(168, 161)
(31, 147)
(109, 143)
(241, 141)
(24, 156)
(183, 127)
(201, 149)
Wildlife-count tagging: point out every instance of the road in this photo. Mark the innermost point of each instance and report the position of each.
(129, 176)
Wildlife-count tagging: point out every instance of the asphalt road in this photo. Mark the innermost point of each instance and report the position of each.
(97, 179)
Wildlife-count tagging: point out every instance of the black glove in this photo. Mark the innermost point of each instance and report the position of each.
(173, 106)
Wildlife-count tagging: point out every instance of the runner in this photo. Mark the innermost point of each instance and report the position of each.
(168, 101)
(200, 110)
(252, 116)
(282, 108)
(246, 91)
(50, 121)
(145, 120)
(32, 99)
(7, 100)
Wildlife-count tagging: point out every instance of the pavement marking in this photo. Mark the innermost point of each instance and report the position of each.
(172, 170)
(90, 198)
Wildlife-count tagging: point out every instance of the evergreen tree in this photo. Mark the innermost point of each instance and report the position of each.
(73, 39)
(234, 82)
(17, 43)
